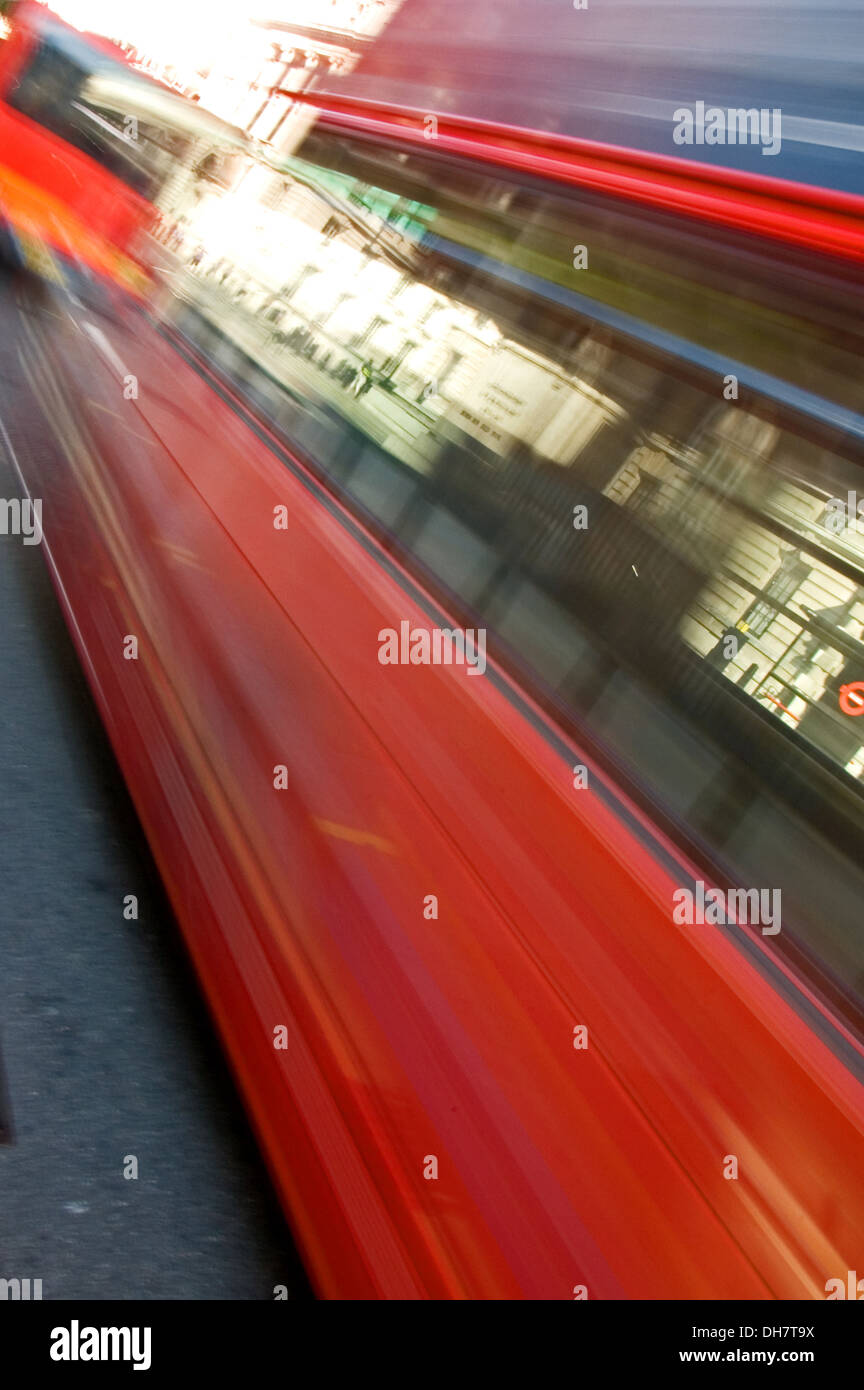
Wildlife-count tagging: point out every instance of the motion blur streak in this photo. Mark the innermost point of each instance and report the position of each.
(364, 386)
(617, 71)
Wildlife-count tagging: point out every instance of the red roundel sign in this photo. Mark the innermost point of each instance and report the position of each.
(852, 697)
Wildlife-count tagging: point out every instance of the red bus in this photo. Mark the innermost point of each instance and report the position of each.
(543, 980)
(86, 147)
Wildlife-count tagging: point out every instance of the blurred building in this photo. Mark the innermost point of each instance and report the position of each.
(294, 41)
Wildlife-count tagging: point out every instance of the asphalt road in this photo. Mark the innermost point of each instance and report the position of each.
(106, 1045)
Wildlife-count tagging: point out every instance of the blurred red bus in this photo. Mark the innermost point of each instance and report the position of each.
(87, 145)
(453, 932)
